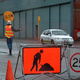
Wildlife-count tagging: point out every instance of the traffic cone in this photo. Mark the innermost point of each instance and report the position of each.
(9, 72)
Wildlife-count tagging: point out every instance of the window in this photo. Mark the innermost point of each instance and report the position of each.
(45, 32)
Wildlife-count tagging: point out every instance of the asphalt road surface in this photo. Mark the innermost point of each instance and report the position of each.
(66, 74)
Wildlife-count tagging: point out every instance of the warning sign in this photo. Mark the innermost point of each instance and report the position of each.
(37, 60)
(75, 62)
(8, 15)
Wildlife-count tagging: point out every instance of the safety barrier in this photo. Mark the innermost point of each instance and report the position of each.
(66, 57)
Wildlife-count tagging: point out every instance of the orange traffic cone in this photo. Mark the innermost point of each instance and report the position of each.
(9, 72)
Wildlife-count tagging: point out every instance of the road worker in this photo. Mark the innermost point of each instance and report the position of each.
(9, 33)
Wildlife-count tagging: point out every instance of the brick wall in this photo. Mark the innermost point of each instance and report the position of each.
(76, 14)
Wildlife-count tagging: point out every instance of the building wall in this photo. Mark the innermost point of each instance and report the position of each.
(1, 26)
(18, 5)
(65, 22)
(44, 19)
(55, 17)
(53, 14)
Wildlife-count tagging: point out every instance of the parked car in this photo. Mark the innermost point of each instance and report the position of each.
(56, 36)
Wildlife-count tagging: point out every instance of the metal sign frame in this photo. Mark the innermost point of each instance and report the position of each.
(20, 56)
(65, 51)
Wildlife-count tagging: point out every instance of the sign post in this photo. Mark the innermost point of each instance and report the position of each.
(38, 26)
(8, 15)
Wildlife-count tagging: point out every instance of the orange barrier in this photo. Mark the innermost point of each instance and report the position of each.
(37, 60)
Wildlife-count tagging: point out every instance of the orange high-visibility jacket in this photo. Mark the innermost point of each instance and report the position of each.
(8, 31)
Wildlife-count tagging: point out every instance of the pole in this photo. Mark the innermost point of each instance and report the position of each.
(38, 31)
(38, 26)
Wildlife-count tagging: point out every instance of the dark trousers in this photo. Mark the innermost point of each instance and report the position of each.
(9, 42)
(34, 64)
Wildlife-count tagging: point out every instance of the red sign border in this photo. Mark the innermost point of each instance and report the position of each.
(41, 47)
(70, 62)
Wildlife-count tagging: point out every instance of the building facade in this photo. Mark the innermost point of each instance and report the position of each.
(76, 19)
(57, 14)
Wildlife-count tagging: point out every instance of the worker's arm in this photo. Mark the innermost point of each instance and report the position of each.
(15, 30)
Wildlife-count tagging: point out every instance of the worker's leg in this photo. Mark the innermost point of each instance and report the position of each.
(33, 66)
(11, 41)
(9, 44)
(10, 49)
(36, 67)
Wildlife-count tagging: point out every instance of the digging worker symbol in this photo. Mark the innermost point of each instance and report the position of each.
(36, 58)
